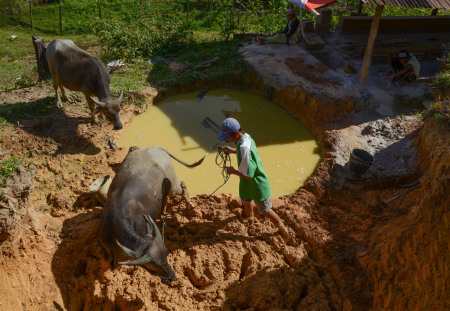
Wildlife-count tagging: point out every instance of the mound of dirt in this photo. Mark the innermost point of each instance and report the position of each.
(15, 200)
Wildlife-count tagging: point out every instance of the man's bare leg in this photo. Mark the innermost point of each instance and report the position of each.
(276, 220)
(248, 209)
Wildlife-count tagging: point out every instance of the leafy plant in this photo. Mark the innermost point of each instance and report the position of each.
(442, 82)
(143, 39)
(24, 81)
(8, 168)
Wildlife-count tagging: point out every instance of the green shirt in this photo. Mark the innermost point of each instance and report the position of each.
(257, 188)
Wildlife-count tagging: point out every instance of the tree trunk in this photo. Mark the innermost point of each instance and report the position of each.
(370, 43)
(99, 9)
(42, 65)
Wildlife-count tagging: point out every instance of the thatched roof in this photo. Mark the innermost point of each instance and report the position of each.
(431, 4)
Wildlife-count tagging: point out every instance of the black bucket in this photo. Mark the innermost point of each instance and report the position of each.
(360, 161)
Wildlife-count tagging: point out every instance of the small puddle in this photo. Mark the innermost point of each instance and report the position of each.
(288, 151)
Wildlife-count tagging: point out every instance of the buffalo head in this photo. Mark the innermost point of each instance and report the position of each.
(154, 257)
(110, 109)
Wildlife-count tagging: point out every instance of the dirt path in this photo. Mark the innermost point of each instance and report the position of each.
(51, 259)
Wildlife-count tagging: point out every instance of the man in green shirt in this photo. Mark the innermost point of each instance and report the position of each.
(254, 184)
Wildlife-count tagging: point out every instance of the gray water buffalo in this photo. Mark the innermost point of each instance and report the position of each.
(77, 70)
(136, 197)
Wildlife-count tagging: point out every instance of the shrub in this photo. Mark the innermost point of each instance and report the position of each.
(8, 168)
(145, 38)
(442, 82)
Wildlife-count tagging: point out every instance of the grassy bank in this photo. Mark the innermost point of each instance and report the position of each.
(18, 62)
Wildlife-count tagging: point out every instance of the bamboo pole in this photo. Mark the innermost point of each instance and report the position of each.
(370, 43)
(60, 17)
(31, 15)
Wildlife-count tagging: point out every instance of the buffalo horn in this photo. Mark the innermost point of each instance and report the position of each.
(149, 221)
(155, 227)
(127, 251)
(138, 262)
(98, 103)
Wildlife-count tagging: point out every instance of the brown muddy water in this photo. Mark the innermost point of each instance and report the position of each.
(288, 150)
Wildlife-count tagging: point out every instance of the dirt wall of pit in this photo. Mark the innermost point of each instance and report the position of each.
(408, 261)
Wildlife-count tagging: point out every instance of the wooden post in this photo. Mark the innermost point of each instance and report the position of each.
(11, 8)
(360, 6)
(188, 10)
(31, 15)
(42, 66)
(60, 17)
(99, 9)
(370, 43)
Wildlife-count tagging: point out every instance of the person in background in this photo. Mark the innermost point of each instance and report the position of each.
(254, 186)
(404, 67)
(290, 35)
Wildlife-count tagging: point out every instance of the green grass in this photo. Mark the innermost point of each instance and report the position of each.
(131, 77)
(18, 60)
(17, 57)
(205, 45)
(7, 168)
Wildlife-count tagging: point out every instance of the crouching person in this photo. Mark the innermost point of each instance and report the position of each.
(404, 67)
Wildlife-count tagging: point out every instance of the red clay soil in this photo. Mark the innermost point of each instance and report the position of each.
(350, 250)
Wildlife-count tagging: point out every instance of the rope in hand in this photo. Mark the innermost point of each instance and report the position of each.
(223, 161)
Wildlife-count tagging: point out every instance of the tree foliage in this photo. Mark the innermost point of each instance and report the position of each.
(133, 28)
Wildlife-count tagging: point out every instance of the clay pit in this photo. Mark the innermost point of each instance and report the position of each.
(355, 246)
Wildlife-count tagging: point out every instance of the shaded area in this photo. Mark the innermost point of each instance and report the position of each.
(78, 266)
(267, 126)
(41, 118)
(305, 286)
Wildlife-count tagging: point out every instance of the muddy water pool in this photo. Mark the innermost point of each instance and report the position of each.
(184, 124)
